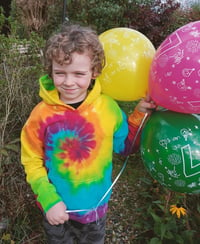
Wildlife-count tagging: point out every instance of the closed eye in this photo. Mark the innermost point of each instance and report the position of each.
(79, 74)
(59, 73)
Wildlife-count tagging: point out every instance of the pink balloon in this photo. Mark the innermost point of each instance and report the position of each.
(174, 81)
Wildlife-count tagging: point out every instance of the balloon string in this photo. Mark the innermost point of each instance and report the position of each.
(119, 174)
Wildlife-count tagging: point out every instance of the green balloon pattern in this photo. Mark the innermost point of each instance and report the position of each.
(170, 149)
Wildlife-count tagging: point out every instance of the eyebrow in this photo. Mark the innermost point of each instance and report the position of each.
(58, 69)
(75, 71)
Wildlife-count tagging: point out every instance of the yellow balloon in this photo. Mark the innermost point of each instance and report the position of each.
(128, 54)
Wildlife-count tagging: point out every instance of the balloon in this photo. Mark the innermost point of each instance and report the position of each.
(174, 81)
(170, 149)
(128, 57)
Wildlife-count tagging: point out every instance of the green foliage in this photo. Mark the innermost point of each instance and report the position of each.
(156, 224)
(102, 15)
(20, 62)
(20, 68)
(2, 18)
(194, 12)
(183, 16)
(39, 16)
(157, 16)
(158, 20)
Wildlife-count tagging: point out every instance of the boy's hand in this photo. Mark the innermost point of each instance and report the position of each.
(57, 215)
(146, 105)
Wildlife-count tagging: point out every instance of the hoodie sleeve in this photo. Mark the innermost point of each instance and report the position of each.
(32, 158)
(124, 137)
(134, 122)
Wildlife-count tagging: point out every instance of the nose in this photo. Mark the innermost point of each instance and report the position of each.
(68, 81)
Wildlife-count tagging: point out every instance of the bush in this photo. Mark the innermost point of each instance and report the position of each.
(20, 68)
(40, 16)
(20, 62)
(157, 16)
(104, 15)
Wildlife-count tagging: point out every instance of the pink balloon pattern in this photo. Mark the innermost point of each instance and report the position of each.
(174, 80)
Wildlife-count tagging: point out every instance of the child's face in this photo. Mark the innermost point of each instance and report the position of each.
(72, 80)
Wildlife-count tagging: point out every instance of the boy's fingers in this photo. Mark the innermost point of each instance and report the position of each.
(148, 98)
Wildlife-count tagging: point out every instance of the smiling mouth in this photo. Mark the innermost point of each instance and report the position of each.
(69, 90)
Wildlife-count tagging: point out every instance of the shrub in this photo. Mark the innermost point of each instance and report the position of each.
(40, 16)
(20, 68)
(104, 15)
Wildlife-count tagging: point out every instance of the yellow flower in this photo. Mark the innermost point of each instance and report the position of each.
(6, 237)
(178, 210)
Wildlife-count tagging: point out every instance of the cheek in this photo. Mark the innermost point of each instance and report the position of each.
(58, 80)
(85, 83)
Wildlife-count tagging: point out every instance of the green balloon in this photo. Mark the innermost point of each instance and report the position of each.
(170, 149)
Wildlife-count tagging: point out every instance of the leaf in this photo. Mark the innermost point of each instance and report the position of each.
(12, 147)
(156, 218)
(14, 141)
(163, 229)
(198, 208)
(169, 235)
(6, 237)
(3, 152)
(155, 240)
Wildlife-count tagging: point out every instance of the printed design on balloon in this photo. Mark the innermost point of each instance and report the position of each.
(178, 56)
(173, 173)
(182, 86)
(161, 177)
(185, 133)
(170, 149)
(172, 42)
(189, 167)
(128, 55)
(187, 72)
(193, 46)
(174, 159)
(180, 183)
(174, 74)
(164, 142)
(197, 92)
(195, 33)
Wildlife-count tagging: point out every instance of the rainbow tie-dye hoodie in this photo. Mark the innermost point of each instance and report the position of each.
(67, 152)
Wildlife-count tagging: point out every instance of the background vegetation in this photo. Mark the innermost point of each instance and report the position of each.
(139, 208)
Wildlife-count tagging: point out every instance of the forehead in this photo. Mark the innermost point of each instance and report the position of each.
(68, 57)
(76, 56)
(76, 60)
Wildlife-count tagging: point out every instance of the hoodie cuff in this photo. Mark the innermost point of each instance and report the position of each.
(136, 118)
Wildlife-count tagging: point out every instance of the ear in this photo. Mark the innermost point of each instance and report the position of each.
(94, 75)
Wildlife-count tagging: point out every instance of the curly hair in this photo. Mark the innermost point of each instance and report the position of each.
(74, 38)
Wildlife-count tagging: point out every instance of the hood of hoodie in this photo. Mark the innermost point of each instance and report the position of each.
(50, 95)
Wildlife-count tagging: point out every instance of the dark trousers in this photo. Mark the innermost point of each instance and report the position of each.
(74, 232)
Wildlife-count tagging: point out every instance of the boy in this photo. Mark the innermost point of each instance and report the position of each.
(68, 140)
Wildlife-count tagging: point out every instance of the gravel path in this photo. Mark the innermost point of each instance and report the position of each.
(121, 214)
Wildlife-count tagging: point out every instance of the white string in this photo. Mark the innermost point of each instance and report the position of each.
(117, 177)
